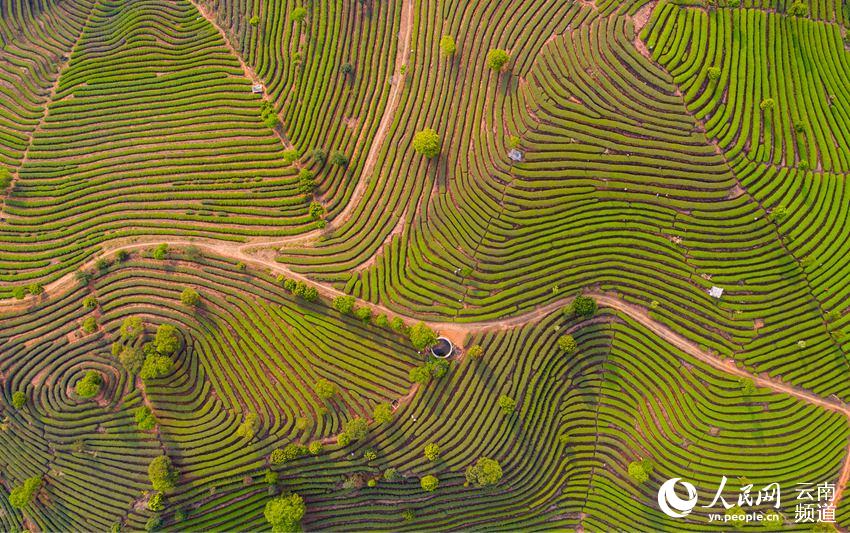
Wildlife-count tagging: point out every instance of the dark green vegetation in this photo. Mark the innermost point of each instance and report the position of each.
(219, 304)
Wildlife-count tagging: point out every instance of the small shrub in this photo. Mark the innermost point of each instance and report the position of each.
(447, 46)
(713, 73)
(253, 21)
(89, 325)
(507, 404)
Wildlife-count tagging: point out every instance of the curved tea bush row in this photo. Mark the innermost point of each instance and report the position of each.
(249, 348)
(580, 420)
(777, 92)
(618, 187)
(305, 68)
(153, 130)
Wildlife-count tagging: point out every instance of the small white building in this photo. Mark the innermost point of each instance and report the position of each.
(515, 155)
(257, 88)
(715, 292)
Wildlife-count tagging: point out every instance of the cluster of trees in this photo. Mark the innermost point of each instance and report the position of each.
(269, 115)
(150, 360)
(20, 292)
(433, 369)
(285, 513)
(299, 289)
(352, 430)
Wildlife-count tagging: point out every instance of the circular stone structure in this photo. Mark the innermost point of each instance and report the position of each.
(443, 348)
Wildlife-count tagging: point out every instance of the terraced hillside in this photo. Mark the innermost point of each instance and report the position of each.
(231, 233)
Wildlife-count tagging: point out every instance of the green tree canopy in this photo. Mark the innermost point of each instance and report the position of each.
(156, 366)
(427, 143)
(639, 471)
(429, 483)
(447, 46)
(567, 344)
(432, 451)
(24, 494)
(284, 513)
(497, 59)
(507, 404)
(383, 413)
(190, 297)
(89, 385)
(166, 341)
(421, 336)
(325, 389)
(484, 472)
(162, 473)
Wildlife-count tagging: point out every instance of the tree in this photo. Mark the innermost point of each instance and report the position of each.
(421, 336)
(19, 292)
(299, 14)
(583, 306)
(497, 59)
(288, 453)
(344, 304)
(447, 46)
(567, 344)
(364, 314)
(121, 255)
(319, 156)
(19, 399)
(131, 329)
(383, 413)
(432, 451)
(284, 513)
(248, 428)
(420, 374)
(356, 428)
(89, 324)
(35, 288)
(190, 297)
(391, 474)
(156, 502)
(437, 367)
(639, 471)
(325, 389)
(162, 473)
(346, 68)
(767, 104)
(89, 385)
(315, 447)
(166, 341)
(799, 9)
(427, 143)
(145, 421)
(132, 359)
(507, 404)
(155, 366)
(316, 210)
(160, 252)
(5, 179)
(339, 159)
(253, 21)
(484, 472)
(306, 182)
(398, 325)
(429, 483)
(89, 302)
(22, 495)
(311, 294)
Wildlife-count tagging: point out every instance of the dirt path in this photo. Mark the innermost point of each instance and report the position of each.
(458, 332)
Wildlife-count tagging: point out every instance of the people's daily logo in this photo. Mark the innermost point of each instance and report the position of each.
(814, 503)
(671, 503)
